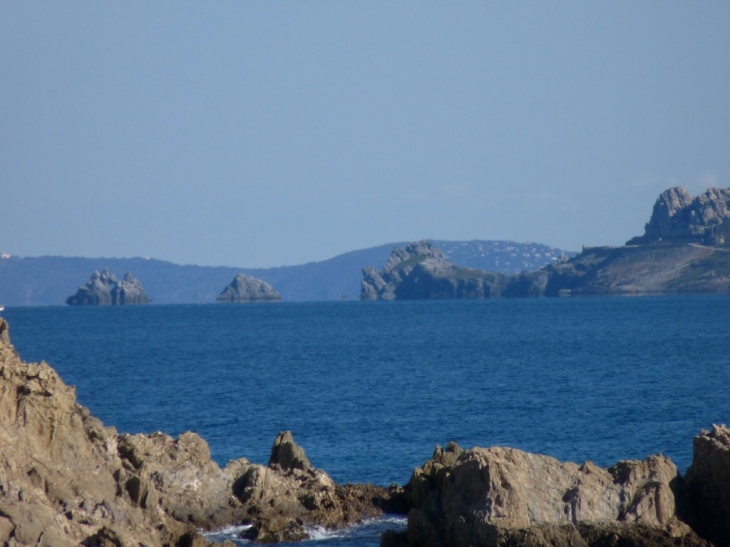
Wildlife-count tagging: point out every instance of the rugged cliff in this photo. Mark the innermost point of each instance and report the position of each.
(245, 288)
(65, 479)
(106, 290)
(678, 217)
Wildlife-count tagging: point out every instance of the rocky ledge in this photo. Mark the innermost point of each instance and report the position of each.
(246, 288)
(65, 479)
(106, 290)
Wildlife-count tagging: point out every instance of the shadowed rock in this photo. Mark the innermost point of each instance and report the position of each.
(708, 485)
(286, 455)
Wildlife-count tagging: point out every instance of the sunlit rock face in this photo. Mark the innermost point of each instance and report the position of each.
(678, 217)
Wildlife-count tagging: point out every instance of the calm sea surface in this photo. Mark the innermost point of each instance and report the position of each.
(369, 388)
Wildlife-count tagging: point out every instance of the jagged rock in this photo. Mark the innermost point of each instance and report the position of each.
(286, 455)
(245, 288)
(502, 496)
(290, 495)
(708, 485)
(104, 289)
(678, 217)
(65, 479)
(96, 292)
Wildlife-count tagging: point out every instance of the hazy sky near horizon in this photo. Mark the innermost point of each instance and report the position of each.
(260, 134)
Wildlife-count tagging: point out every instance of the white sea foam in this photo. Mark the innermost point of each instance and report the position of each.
(228, 532)
(317, 533)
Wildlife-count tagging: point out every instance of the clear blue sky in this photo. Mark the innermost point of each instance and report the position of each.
(269, 133)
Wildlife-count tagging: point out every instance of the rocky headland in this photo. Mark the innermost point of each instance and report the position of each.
(104, 289)
(683, 250)
(246, 288)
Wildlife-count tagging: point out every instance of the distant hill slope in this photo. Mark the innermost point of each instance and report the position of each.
(49, 280)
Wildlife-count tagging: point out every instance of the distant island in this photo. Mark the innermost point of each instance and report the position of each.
(48, 280)
(683, 250)
(104, 289)
(246, 288)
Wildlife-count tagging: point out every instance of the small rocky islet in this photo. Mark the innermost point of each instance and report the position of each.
(104, 289)
(246, 288)
(66, 479)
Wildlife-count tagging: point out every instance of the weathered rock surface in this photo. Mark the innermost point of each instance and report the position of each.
(106, 290)
(708, 485)
(503, 496)
(245, 288)
(65, 479)
(680, 218)
(420, 271)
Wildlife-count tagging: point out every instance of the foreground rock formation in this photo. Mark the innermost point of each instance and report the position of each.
(65, 479)
(245, 288)
(106, 290)
(505, 497)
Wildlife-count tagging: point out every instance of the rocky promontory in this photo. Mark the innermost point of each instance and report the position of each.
(66, 479)
(246, 288)
(106, 290)
(420, 271)
(683, 250)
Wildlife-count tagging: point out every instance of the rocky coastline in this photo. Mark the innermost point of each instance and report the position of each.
(683, 250)
(66, 479)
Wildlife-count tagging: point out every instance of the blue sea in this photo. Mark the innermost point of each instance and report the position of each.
(369, 388)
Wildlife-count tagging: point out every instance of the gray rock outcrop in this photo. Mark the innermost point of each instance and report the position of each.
(502, 496)
(106, 290)
(66, 480)
(708, 485)
(245, 288)
(678, 217)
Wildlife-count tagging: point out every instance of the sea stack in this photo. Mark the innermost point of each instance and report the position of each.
(245, 288)
(104, 289)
